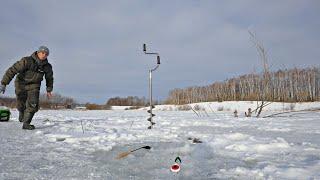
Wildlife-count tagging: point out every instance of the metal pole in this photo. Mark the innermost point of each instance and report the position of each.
(150, 93)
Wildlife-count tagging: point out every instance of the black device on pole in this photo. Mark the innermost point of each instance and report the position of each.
(150, 85)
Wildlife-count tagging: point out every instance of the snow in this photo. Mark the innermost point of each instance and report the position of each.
(3, 107)
(243, 106)
(75, 144)
(119, 107)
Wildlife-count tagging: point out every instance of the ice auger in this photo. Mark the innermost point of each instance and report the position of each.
(150, 85)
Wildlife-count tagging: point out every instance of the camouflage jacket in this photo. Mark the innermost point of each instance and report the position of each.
(30, 71)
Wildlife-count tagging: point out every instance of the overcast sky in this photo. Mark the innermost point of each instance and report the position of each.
(96, 46)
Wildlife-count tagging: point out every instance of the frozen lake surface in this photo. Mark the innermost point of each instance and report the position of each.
(286, 147)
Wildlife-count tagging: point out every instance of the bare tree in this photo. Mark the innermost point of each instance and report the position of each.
(266, 74)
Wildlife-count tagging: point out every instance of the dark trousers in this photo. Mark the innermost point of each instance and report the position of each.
(27, 100)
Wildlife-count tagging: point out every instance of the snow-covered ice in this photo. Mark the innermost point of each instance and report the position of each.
(84, 144)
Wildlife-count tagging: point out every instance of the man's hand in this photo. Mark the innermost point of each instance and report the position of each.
(49, 95)
(2, 88)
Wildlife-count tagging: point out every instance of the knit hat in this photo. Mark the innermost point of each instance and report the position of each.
(43, 49)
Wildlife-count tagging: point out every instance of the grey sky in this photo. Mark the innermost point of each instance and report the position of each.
(96, 46)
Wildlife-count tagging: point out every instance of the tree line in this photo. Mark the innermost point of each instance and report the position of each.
(129, 101)
(56, 102)
(290, 85)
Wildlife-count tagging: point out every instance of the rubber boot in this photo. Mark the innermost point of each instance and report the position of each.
(21, 114)
(27, 120)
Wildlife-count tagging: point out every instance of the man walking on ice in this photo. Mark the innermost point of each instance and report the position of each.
(30, 71)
